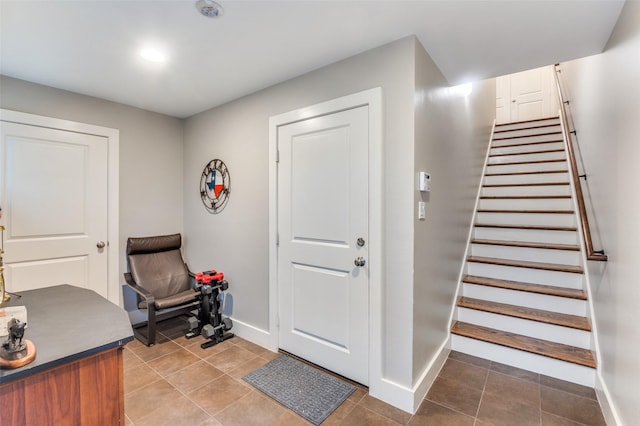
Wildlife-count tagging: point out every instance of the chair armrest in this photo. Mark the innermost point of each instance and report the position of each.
(145, 294)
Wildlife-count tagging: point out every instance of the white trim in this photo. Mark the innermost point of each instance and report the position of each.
(372, 98)
(113, 142)
(471, 229)
(409, 399)
(430, 373)
(251, 333)
(609, 411)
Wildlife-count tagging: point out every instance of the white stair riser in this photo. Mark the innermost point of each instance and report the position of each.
(501, 133)
(563, 257)
(501, 140)
(527, 275)
(527, 178)
(532, 167)
(537, 363)
(534, 236)
(521, 149)
(535, 329)
(516, 126)
(526, 204)
(545, 302)
(543, 219)
(526, 190)
(544, 156)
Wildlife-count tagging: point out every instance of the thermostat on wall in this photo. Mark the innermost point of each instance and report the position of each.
(424, 182)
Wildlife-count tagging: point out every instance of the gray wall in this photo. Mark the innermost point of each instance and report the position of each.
(452, 137)
(236, 240)
(425, 128)
(150, 153)
(605, 99)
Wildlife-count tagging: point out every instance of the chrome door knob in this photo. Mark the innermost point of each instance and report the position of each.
(100, 244)
(360, 261)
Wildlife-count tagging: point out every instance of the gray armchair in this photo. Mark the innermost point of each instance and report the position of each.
(158, 284)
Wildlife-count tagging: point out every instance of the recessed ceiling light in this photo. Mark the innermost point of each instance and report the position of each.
(153, 55)
(209, 8)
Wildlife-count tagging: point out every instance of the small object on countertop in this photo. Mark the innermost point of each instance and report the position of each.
(15, 352)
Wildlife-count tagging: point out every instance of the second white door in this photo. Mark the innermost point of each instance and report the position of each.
(323, 275)
(53, 192)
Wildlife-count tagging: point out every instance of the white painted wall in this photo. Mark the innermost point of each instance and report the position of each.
(236, 240)
(150, 153)
(605, 102)
(452, 136)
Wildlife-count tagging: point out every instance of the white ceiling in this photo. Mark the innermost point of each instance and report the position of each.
(91, 47)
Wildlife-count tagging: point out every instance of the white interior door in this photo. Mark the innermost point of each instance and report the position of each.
(323, 229)
(526, 95)
(53, 187)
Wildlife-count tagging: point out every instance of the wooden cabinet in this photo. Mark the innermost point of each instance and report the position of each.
(76, 377)
(88, 391)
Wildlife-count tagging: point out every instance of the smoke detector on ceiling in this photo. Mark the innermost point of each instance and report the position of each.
(209, 8)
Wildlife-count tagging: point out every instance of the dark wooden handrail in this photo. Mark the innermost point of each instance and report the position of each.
(582, 211)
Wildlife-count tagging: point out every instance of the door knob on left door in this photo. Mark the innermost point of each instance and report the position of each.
(100, 244)
(360, 261)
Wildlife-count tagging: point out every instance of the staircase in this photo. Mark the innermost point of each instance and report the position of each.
(522, 297)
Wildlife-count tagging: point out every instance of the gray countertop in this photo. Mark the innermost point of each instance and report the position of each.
(66, 323)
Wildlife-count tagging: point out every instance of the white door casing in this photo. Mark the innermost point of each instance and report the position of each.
(526, 95)
(322, 212)
(323, 194)
(57, 195)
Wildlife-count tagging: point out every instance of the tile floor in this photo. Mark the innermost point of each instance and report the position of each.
(177, 383)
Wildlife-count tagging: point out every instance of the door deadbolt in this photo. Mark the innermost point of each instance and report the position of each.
(360, 242)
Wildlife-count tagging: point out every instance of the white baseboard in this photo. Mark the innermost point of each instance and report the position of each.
(430, 373)
(409, 399)
(251, 333)
(392, 393)
(604, 398)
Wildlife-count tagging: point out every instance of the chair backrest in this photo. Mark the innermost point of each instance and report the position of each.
(156, 264)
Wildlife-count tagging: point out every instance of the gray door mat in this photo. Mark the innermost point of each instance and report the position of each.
(311, 393)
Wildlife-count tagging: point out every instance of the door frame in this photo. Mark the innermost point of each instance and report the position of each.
(373, 99)
(113, 159)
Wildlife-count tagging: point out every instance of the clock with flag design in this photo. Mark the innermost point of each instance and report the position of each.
(215, 184)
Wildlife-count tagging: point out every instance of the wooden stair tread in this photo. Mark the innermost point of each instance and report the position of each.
(523, 197)
(535, 172)
(553, 350)
(531, 227)
(570, 247)
(549, 290)
(524, 136)
(497, 185)
(574, 269)
(542, 151)
(539, 315)
(514, 163)
(525, 211)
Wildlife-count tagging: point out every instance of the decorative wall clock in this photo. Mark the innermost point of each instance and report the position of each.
(215, 184)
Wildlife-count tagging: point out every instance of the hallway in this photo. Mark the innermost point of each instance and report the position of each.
(176, 382)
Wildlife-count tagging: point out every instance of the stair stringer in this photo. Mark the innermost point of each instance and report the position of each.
(515, 357)
(595, 347)
(452, 315)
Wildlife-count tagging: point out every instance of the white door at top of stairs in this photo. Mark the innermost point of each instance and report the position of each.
(527, 95)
